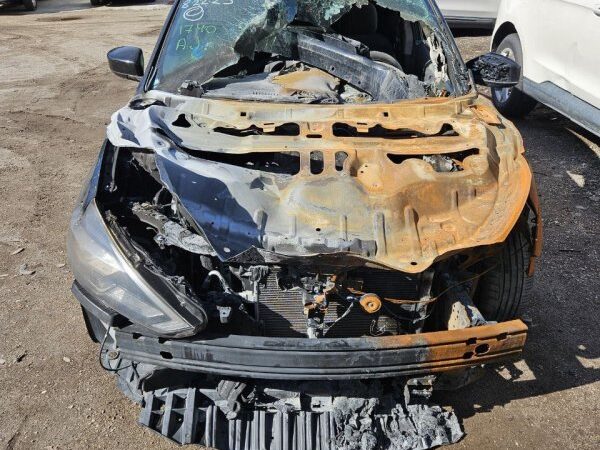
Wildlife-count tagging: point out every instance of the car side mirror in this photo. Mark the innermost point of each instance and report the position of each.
(127, 62)
(495, 70)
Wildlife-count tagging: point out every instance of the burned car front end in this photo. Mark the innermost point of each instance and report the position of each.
(301, 225)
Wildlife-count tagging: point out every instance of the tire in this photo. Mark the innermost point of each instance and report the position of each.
(30, 5)
(505, 285)
(97, 2)
(512, 102)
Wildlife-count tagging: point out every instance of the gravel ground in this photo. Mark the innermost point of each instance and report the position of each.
(56, 96)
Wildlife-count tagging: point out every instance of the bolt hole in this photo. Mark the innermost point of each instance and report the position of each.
(243, 114)
(340, 158)
(413, 263)
(468, 355)
(482, 349)
(386, 114)
(162, 340)
(166, 355)
(471, 341)
(136, 336)
(317, 229)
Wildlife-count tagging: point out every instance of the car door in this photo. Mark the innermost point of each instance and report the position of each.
(583, 68)
(546, 30)
(480, 9)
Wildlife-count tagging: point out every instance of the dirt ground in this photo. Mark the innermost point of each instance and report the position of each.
(56, 96)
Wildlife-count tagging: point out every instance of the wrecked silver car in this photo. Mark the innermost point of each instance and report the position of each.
(304, 222)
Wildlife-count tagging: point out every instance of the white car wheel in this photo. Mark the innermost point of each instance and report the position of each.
(512, 101)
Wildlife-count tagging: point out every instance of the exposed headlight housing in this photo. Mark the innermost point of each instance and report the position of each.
(103, 270)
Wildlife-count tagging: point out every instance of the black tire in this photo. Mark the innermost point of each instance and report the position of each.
(30, 5)
(505, 287)
(512, 102)
(98, 2)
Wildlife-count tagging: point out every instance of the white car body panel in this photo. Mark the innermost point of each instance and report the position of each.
(583, 69)
(561, 49)
(474, 9)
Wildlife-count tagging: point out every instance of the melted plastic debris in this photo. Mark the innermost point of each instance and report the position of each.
(236, 416)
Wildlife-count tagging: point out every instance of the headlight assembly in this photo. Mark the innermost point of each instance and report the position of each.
(101, 268)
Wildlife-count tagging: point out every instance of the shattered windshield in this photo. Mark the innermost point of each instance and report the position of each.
(323, 51)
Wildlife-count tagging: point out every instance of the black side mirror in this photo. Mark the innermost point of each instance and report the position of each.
(127, 62)
(495, 70)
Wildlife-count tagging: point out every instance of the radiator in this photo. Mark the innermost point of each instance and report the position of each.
(282, 311)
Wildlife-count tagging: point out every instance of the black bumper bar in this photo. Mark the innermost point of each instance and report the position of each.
(326, 359)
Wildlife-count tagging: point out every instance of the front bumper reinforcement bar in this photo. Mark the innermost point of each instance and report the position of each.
(328, 359)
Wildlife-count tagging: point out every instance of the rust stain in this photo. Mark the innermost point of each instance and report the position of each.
(487, 114)
(465, 347)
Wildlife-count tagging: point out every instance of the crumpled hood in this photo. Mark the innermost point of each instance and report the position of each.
(385, 205)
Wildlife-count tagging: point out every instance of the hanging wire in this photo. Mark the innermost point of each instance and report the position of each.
(109, 369)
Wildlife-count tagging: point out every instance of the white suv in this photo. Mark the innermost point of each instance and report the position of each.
(557, 43)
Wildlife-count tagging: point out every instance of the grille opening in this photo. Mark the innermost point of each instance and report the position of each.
(341, 129)
(287, 129)
(286, 163)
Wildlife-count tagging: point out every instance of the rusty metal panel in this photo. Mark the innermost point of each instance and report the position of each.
(410, 212)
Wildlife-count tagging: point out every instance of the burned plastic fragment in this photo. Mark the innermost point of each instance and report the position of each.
(343, 58)
(237, 416)
(170, 232)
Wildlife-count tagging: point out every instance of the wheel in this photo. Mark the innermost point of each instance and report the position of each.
(98, 2)
(30, 5)
(505, 285)
(512, 102)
